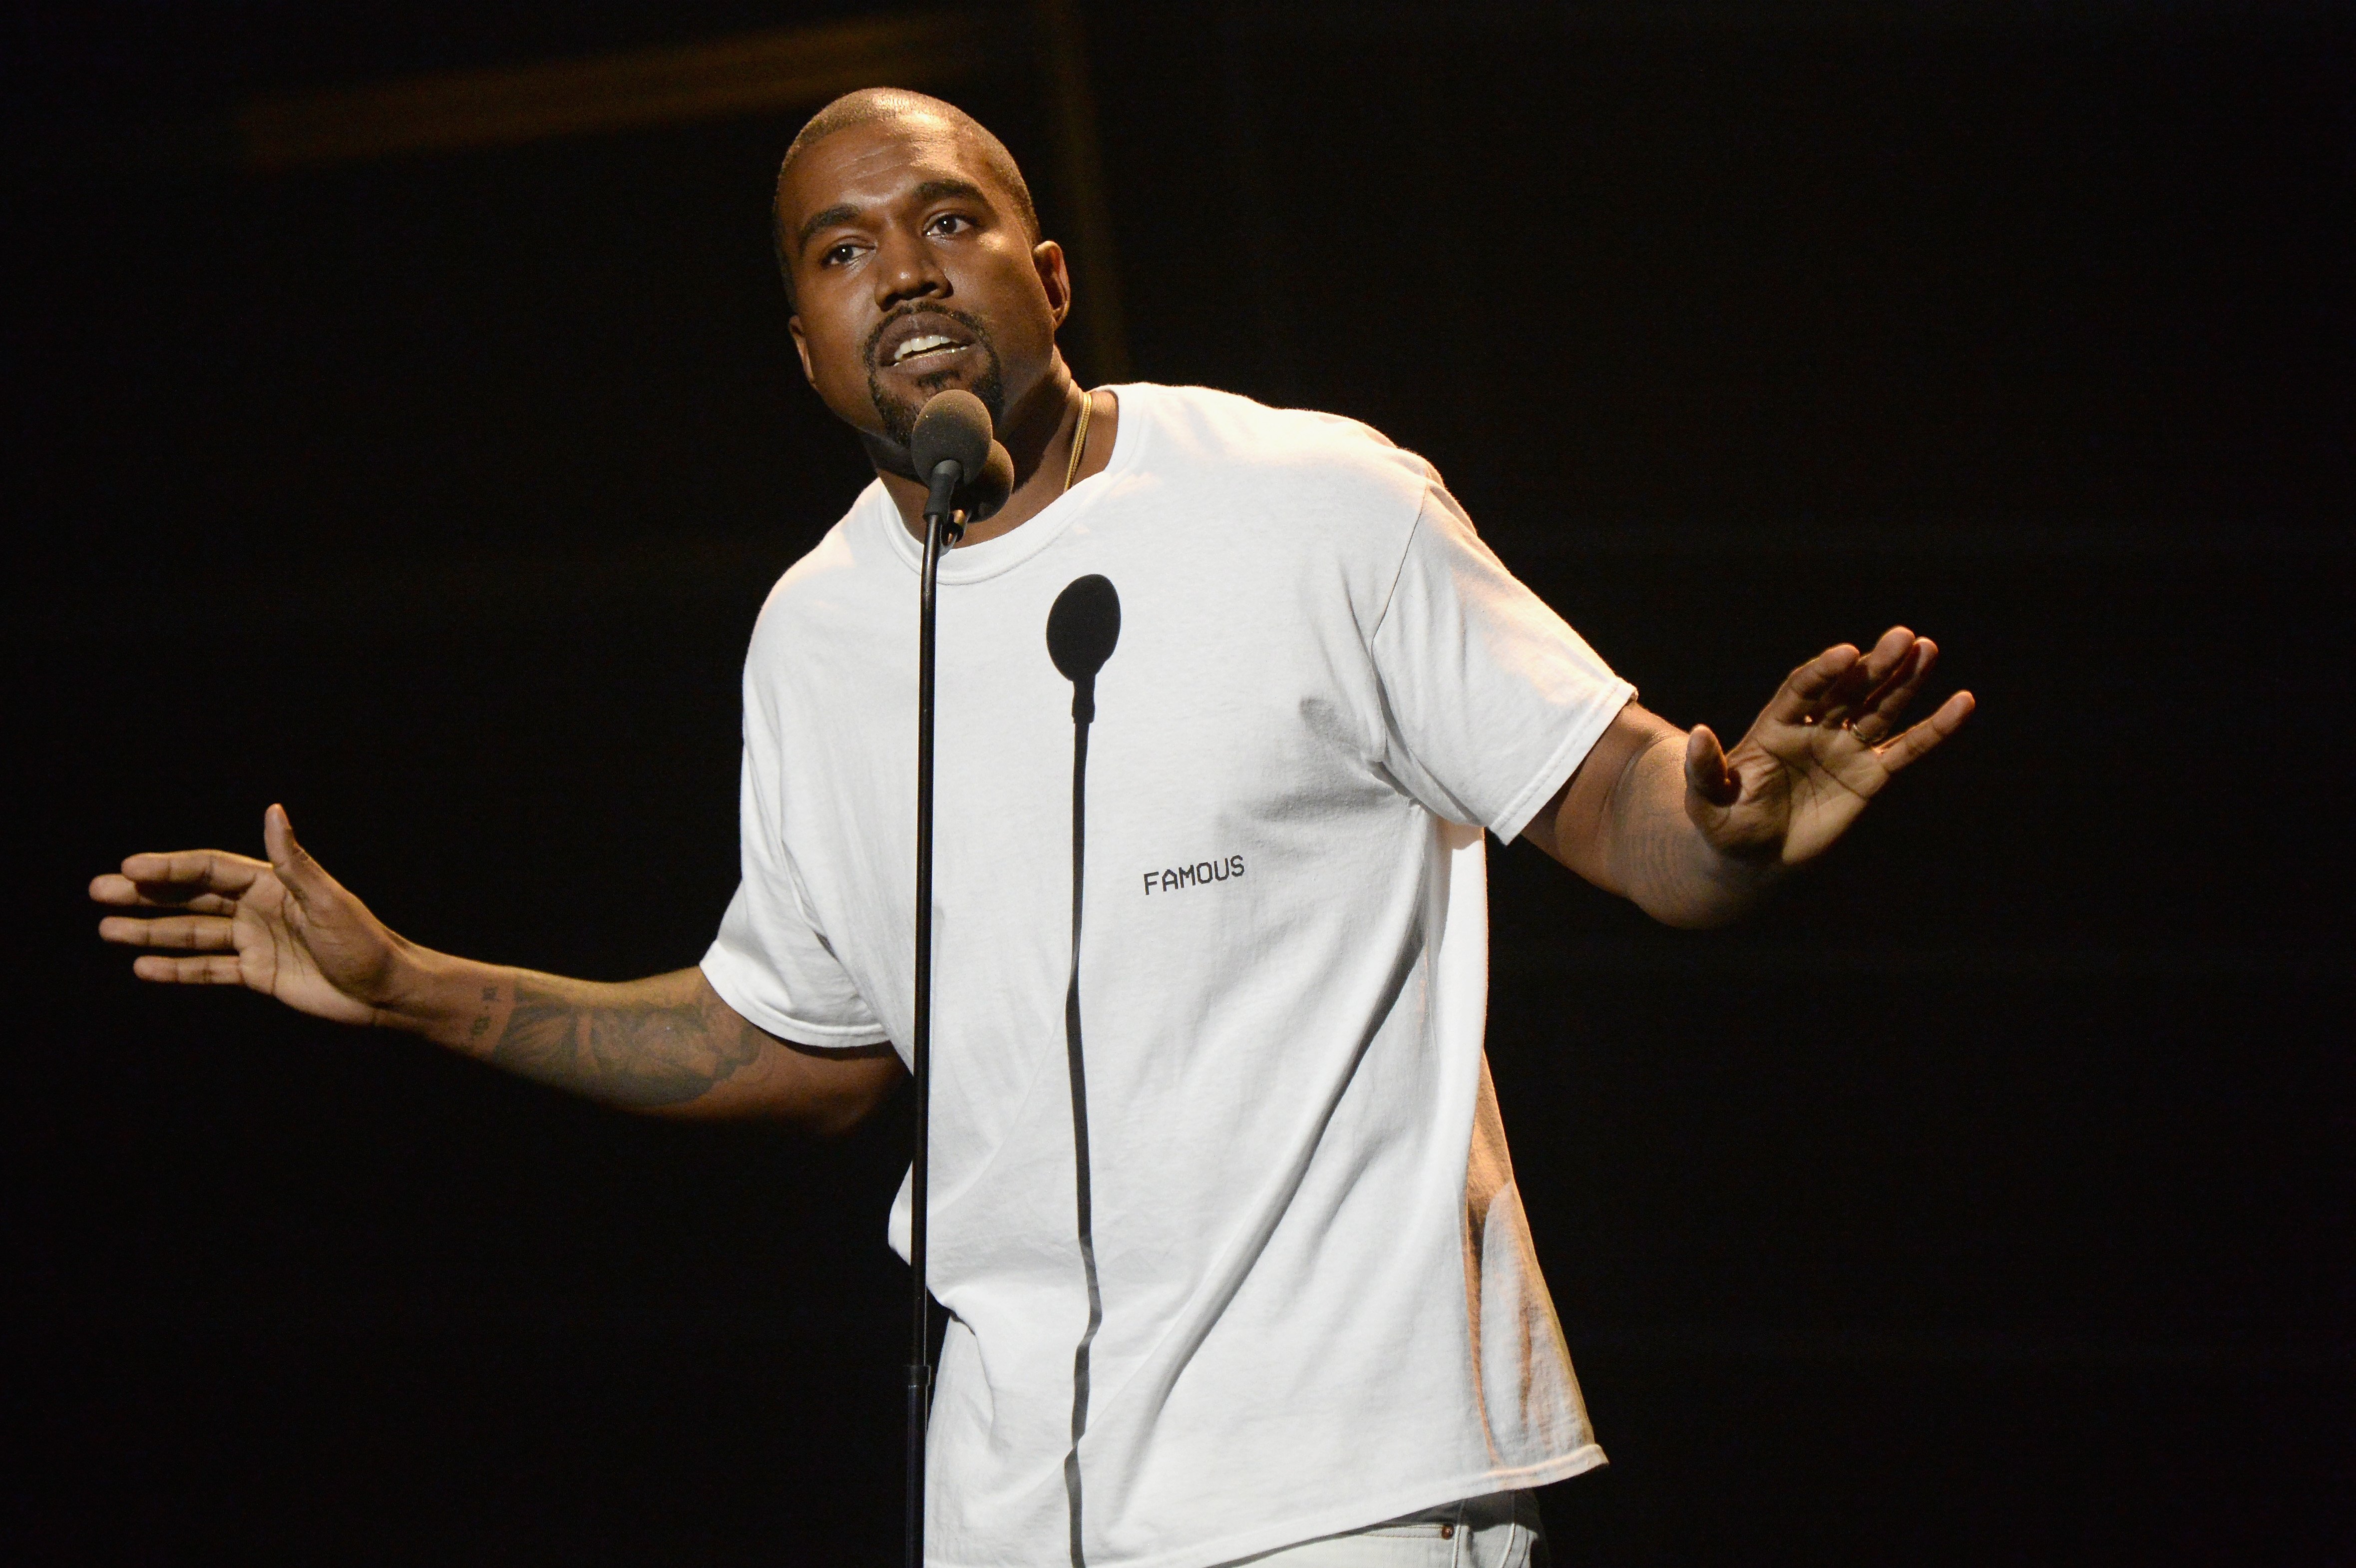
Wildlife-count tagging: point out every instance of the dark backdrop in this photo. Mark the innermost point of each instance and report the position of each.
(1985, 1201)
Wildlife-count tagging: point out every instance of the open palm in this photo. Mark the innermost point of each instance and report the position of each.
(282, 927)
(1824, 746)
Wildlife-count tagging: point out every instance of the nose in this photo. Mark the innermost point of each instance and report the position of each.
(909, 271)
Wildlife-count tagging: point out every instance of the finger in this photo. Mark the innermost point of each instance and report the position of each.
(196, 933)
(1706, 774)
(1882, 709)
(304, 877)
(1918, 742)
(1888, 653)
(1795, 701)
(1834, 708)
(112, 889)
(1853, 693)
(220, 968)
(182, 874)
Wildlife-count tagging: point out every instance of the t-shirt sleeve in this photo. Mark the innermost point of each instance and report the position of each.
(1490, 700)
(771, 962)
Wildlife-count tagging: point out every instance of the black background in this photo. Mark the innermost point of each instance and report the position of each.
(1984, 1201)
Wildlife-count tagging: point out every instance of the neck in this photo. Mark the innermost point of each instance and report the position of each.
(1038, 436)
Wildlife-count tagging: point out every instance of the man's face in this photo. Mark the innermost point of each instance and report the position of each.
(913, 273)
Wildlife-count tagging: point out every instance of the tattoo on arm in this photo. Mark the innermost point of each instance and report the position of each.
(641, 1051)
(482, 1024)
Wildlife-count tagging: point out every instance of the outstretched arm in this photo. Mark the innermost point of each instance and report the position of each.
(284, 927)
(1695, 834)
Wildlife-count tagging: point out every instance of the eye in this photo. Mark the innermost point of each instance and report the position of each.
(949, 224)
(837, 254)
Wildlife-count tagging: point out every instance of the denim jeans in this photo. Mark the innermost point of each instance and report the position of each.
(1497, 1532)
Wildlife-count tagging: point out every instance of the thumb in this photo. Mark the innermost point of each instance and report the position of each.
(1706, 774)
(302, 876)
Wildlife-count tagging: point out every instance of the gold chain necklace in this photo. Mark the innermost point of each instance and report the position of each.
(1079, 438)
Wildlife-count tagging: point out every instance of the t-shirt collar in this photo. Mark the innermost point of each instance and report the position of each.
(973, 563)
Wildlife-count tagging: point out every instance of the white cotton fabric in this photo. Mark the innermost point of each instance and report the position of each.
(1321, 1304)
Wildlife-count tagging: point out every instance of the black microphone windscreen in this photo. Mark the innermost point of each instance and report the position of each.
(992, 486)
(953, 428)
(1083, 627)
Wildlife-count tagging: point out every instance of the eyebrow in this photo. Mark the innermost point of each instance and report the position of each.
(838, 213)
(842, 212)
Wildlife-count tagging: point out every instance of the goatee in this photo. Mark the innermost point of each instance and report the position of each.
(899, 414)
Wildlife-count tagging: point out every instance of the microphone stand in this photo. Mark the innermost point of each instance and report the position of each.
(944, 525)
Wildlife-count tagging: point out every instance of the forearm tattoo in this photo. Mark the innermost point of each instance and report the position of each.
(636, 1053)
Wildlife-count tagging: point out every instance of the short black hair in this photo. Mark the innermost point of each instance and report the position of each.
(870, 104)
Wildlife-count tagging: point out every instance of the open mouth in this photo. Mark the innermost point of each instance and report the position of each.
(918, 353)
(922, 342)
(931, 346)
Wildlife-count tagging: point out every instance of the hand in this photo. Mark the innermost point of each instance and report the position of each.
(284, 927)
(1822, 747)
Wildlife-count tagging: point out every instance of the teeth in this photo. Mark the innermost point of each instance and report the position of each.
(924, 345)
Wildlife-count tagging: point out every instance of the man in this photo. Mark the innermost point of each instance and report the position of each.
(1311, 1321)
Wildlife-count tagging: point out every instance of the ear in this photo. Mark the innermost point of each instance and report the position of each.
(1048, 257)
(802, 347)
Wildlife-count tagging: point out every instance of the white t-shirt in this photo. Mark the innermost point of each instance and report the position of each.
(1320, 1304)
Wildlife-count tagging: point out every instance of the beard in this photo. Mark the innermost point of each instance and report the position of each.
(899, 414)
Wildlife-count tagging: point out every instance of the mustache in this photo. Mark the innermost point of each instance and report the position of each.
(969, 322)
(897, 415)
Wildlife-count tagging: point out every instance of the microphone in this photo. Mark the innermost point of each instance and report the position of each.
(953, 453)
(950, 444)
(992, 486)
